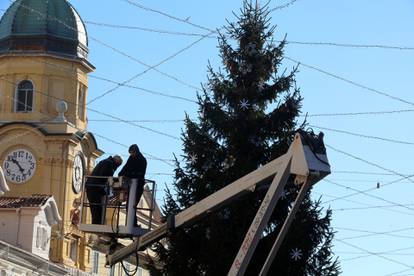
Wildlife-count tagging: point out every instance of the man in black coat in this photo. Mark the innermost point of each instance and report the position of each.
(135, 167)
(95, 187)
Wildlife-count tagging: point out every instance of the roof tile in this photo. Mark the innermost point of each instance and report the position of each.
(36, 200)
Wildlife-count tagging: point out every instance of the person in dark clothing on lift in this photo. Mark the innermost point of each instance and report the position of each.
(135, 167)
(95, 186)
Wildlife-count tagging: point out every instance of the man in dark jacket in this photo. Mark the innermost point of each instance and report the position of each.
(95, 186)
(135, 167)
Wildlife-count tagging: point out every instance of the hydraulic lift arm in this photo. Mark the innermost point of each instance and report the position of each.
(3, 184)
(306, 159)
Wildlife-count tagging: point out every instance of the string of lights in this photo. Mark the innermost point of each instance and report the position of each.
(374, 233)
(100, 112)
(347, 200)
(388, 252)
(363, 253)
(370, 207)
(369, 195)
(137, 121)
(186, 21)
(166, 161)
(181, 120)
(372, 189)
(370, 163)
(117, 50)
(134, 124)
(351, 45)
(366, 181)
(398, 273)
(159, 31)
(292, 42)
(124, 145)
(127, 155)
(103, 113)
(284, 6)
(358, 113)
(363, 135)
(307, 115)
(334, 198)
(41, 125)
(149, 67)
(350, 82)
(361, 172)
(376, 254)
(140, 89)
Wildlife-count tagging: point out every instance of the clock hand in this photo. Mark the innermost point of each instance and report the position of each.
(18, 165)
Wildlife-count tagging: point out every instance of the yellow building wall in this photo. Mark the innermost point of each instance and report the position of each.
(54, 145)
(53, 78)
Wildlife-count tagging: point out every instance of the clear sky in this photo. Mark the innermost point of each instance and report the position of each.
(375, 229)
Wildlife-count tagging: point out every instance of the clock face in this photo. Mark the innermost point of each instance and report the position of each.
(19, 166)
(77, 173)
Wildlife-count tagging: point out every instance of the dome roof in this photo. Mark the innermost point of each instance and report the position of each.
(52, 26)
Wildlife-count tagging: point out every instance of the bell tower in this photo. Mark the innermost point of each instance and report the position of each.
(45, 147)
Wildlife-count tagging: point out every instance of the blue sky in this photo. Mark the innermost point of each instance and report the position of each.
(375, 228)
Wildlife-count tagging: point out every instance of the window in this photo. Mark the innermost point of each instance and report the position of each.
(88, 256)
(74, 250)
(41, 238)
(81, 102)
(38, 237)
(95, 267)
(112, 271)
(24, 96)
(67, 245)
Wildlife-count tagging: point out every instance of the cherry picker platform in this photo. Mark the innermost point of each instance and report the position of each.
(118, 208)
(305, 160)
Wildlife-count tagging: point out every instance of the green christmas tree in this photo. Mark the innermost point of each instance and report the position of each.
(247, 117)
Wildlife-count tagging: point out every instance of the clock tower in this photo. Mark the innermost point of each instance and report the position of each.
(45, 147)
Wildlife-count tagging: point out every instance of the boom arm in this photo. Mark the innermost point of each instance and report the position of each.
(3, 184)
(302, 159)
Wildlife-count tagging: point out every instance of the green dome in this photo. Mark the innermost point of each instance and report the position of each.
(51, 26)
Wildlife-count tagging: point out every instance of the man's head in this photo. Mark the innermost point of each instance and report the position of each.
(117, 160)
(133, 150)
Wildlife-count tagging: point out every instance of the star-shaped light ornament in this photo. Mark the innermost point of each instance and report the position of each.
(296, 254)
(244, 104)
(283, 195)
(261, 86)
(192, 158)
(251, 49)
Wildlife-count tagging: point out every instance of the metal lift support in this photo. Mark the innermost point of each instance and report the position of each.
(3, 184)
(306, 159)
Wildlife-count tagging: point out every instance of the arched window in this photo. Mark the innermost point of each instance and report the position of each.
(24, 96)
